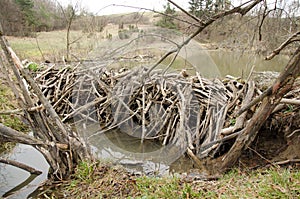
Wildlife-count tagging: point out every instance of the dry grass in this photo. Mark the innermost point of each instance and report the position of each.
(108, 181)
(52, 45)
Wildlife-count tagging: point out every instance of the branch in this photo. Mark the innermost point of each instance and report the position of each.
(265, 14)
(283, 45)
(11, 135)
(290, 101)
(152, 10)
(19, 111)
(21, 166)
(287, 161)
(239, 9)
(184, 11)
(255, 101)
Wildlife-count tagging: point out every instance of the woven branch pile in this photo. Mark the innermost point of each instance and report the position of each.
(168, 108)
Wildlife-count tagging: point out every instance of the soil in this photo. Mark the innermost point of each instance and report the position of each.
(278, 141)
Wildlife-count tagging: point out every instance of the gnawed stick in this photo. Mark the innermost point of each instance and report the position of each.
(290, 101)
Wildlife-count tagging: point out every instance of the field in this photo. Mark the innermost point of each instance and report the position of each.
(52, 45)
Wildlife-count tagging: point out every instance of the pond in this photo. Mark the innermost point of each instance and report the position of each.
(239, 64)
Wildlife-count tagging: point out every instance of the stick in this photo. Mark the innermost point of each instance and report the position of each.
(283, 45)
(194, 157)
(21, 166)
(287, 161)
(290, 101)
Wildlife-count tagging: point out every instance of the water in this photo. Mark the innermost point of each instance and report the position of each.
(148, 158)
(11, 177)
(239, 64)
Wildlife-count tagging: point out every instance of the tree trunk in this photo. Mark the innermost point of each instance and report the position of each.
(273, 96)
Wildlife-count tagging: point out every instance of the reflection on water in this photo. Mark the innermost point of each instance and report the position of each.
(12, 177)
(148, 158)
(239, 64)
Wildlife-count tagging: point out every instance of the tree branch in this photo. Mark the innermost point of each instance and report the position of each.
(184, 11)
(21, 166)
(239, 9)
(283, 45)
(11, 135)
(280, 87)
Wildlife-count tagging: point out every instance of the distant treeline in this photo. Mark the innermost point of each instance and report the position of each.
(22, 17)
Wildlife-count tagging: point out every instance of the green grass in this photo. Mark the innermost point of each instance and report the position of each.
(98, 180)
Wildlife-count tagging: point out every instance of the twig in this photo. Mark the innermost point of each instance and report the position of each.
(184, 11)
(287, 161)
(290, 135)
(262, 157)
(255, 101)
(283, 45)
(194, 157)
(290, 101)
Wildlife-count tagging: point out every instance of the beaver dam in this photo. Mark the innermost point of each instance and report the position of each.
(179, 113)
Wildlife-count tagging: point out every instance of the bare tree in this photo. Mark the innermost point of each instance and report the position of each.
(69, 15)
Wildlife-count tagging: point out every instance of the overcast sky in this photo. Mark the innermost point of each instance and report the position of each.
(103, 7)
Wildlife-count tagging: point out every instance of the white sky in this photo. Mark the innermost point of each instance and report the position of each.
(103, 7)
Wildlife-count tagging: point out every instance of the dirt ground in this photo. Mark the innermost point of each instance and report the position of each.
(277, 143)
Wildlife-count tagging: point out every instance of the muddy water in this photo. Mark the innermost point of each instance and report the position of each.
(148, 158)
(239, 64)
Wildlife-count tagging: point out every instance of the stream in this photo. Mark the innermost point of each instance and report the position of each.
(128, 151)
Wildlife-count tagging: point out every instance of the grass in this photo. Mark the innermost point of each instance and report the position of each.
(52, 45)
(7, 102)
(104, 180)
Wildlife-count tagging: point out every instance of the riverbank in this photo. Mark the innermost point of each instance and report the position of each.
(104, 180)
